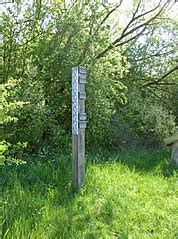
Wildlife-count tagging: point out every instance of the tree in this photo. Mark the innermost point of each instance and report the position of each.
(150, 82)
(43, 43)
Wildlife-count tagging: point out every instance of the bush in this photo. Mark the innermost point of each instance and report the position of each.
(42, 65)
(143, 121)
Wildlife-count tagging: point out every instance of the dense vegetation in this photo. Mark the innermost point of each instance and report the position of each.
(130, 67)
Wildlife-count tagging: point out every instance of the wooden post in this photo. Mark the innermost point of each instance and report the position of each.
(78, 125)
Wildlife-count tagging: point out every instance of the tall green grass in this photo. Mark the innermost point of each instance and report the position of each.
(127, 194)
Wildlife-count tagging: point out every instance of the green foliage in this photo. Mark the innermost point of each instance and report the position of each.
(149, 115)
(175, 103)
(42, 42)
(9, 112)
(144, 120)
(42, 56)
(126, 194)
(3, 149)
(104, 90)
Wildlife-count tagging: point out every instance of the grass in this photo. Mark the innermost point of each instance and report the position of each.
(127, 194)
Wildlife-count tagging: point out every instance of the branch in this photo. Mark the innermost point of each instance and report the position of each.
(110, 12)
(125, 33)
(158, 81)
(157, 54)
(132, 38)
(143, 14)
(141, 25)
(132, 19)
(153, 92)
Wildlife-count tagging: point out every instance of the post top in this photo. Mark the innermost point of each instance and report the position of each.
(80, 69)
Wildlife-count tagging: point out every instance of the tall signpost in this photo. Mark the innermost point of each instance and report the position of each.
(78, 125)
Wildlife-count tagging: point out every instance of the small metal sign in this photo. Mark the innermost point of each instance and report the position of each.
(82, 116)
(82, 95)
(82, 124)
(82, 79)
(82, 70)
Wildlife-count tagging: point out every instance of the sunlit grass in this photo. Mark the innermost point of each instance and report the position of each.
(126, 195)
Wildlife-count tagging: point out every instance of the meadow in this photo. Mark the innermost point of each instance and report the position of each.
(127, 194)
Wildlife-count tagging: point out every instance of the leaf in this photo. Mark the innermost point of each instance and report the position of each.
(59, 1)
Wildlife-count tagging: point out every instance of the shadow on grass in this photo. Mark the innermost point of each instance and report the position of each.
(44, 173)
(41, 174)
(44, 183)
(40, 183)
(156, 161)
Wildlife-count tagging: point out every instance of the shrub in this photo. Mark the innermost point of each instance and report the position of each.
(143, 120)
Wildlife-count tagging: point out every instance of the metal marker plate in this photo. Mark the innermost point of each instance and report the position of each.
(82, 95)
(82, 79)
(82, 70)
(82, 124)
(82, 116)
